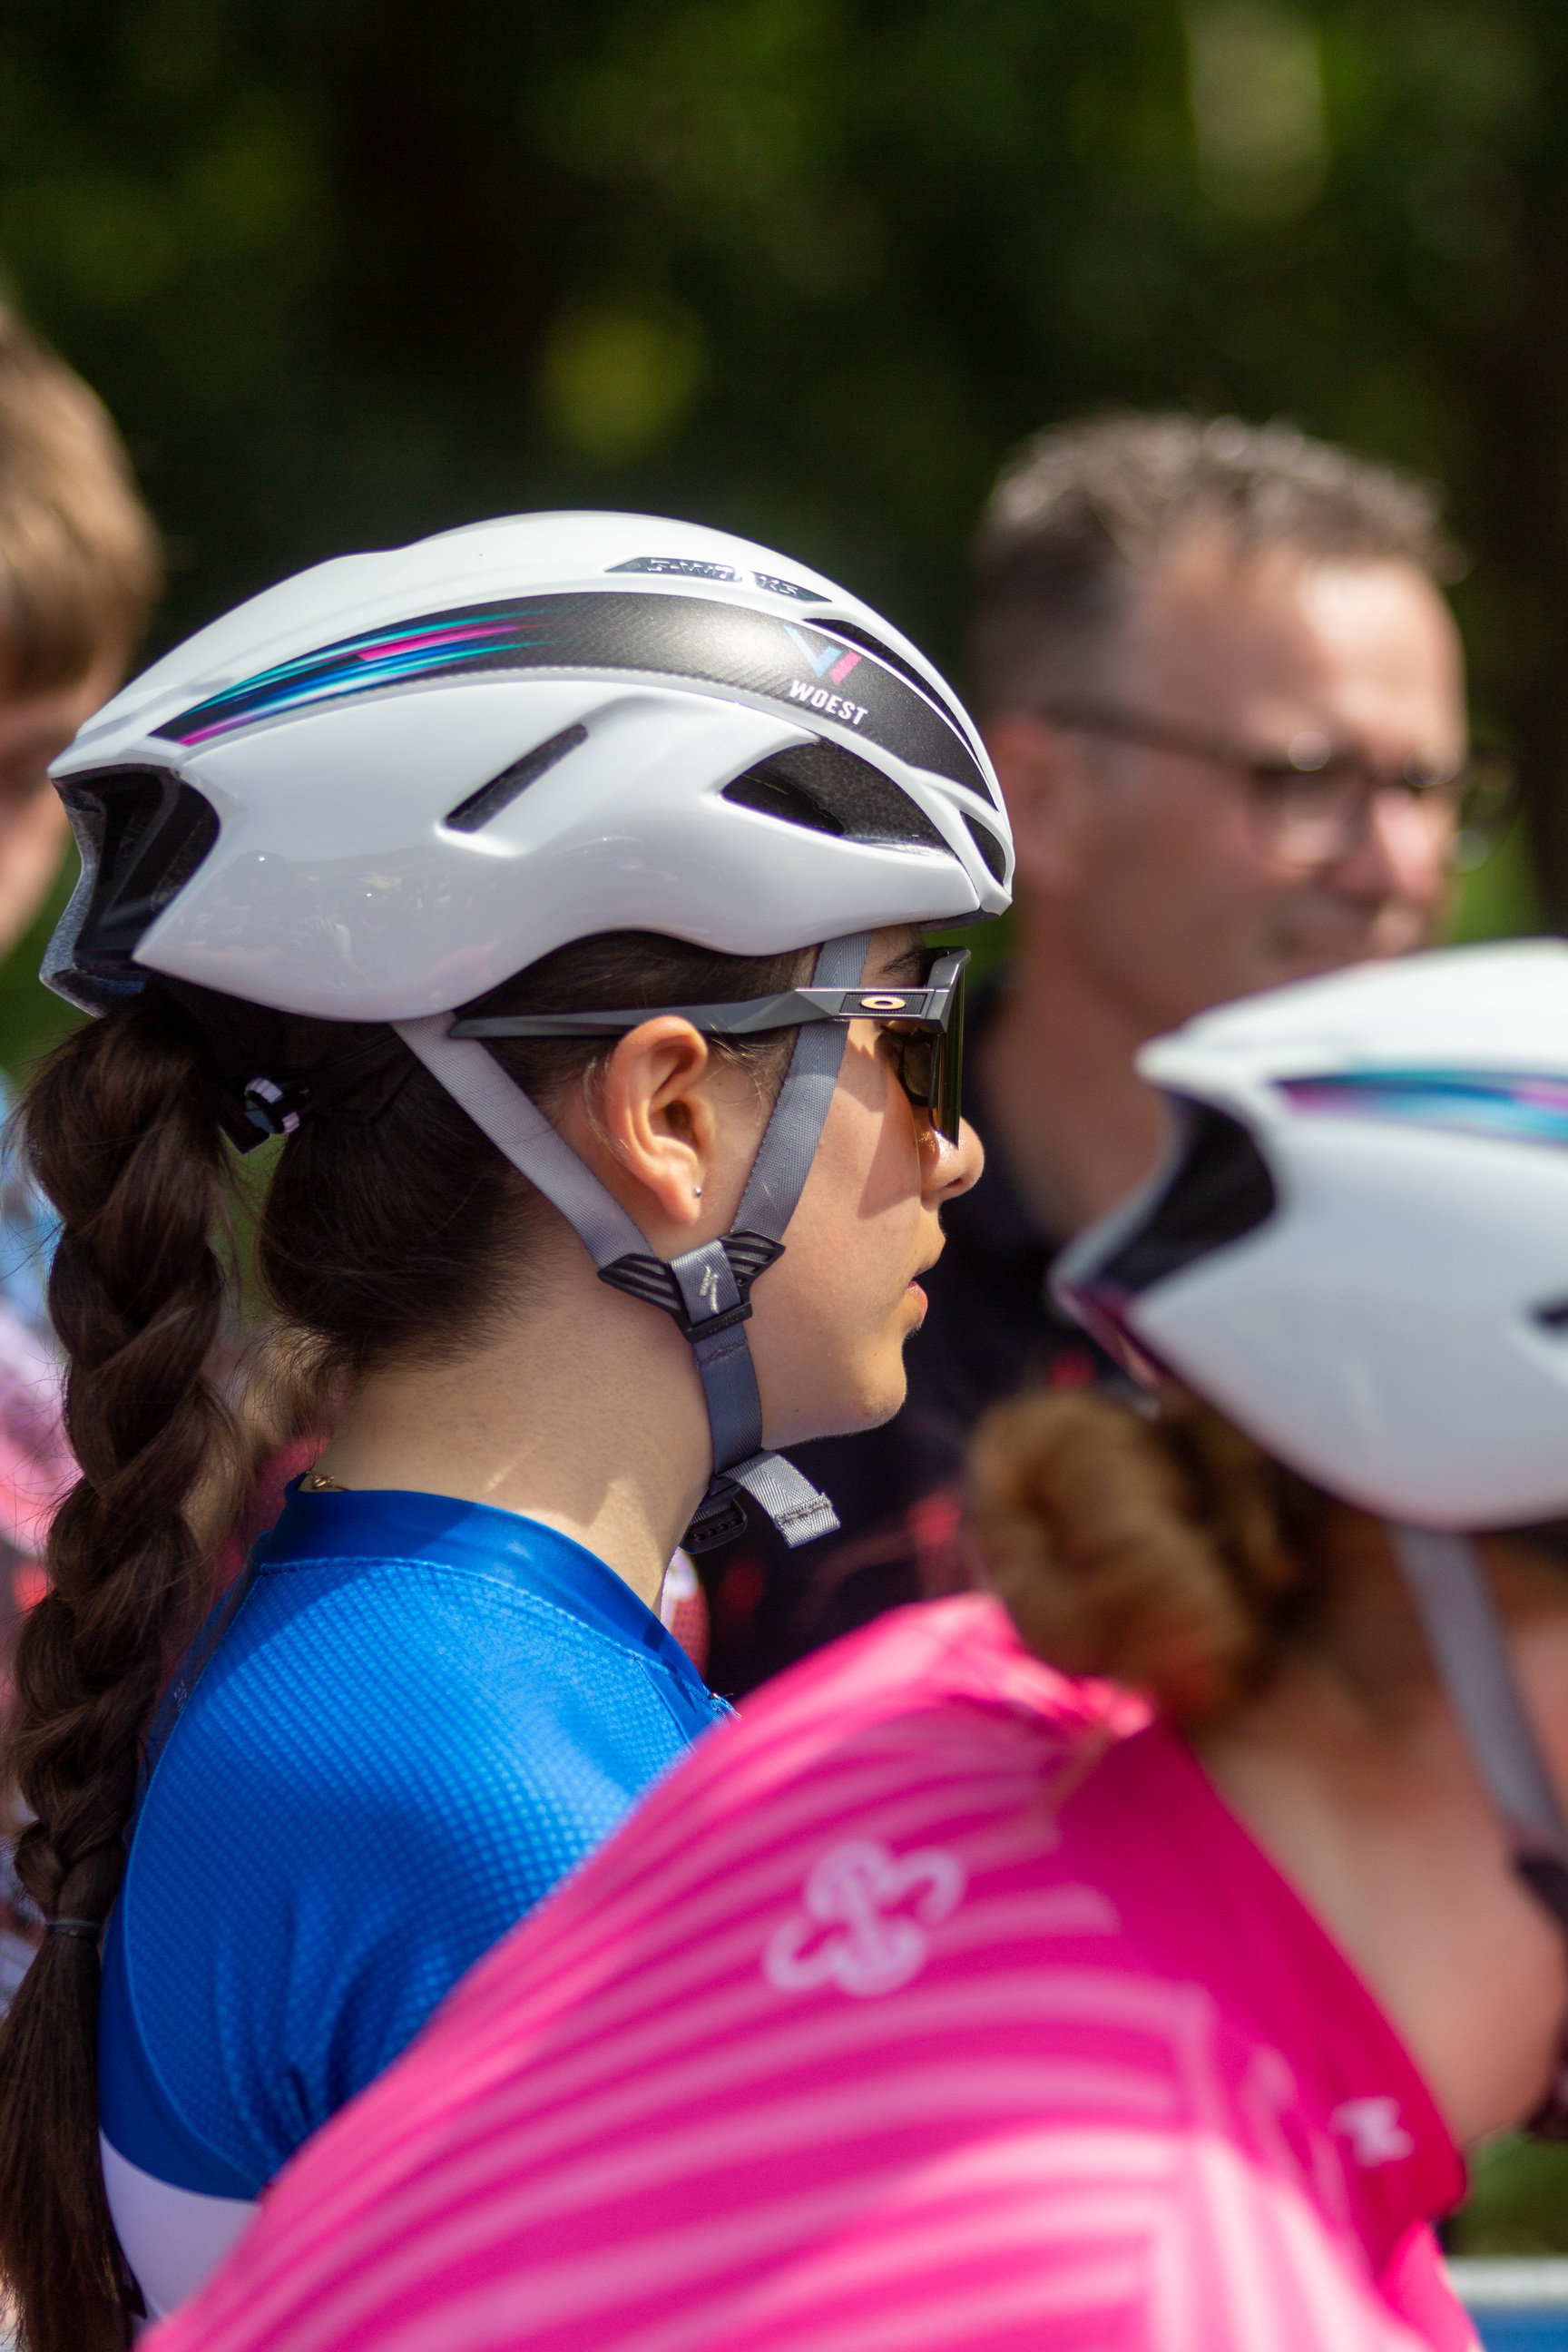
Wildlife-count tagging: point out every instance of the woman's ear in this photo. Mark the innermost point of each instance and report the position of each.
(652, 1113)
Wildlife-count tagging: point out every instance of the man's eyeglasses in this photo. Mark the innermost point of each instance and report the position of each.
(1309, 803)
(925, 1021)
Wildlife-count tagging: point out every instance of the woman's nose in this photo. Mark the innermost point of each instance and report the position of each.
(948, 1169)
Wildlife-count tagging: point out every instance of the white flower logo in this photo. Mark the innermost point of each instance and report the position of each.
(1373, 2129)
(866, 1913)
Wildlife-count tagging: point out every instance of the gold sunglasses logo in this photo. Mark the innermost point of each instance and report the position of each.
(883, 1003)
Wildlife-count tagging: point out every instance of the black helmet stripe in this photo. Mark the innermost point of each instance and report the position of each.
(814, 670)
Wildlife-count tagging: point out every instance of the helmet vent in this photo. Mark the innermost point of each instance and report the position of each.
(474, 814)
(829, 790)
(990, 848)
(773, 795)
(1221, 1190)
(153, 833)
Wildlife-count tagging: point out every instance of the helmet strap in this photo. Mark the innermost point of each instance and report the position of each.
(706, 1290)
(1454, 1600)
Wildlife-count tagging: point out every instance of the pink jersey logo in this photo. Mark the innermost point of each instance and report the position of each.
(1373, 2129)
(866, 1913)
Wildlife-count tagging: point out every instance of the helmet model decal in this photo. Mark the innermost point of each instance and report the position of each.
(666, 637)
(692, 567)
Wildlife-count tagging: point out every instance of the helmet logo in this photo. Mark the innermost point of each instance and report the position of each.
(834, 659)
(838, 663)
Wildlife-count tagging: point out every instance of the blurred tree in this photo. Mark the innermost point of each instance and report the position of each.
(807, 268)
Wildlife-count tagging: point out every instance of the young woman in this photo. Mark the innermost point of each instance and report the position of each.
(492, 875)
(947, 2002)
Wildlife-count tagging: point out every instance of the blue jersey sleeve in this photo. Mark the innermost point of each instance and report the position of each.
(390, 1770)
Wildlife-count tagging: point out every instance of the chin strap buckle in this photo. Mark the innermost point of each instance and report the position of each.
(707, 1292)
(799, 1510)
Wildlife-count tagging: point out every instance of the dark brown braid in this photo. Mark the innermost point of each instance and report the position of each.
(122, 1137)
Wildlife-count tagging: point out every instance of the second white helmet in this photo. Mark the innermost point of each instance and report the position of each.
(1358, 1246)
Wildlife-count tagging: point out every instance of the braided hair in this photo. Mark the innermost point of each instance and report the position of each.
(118, 1139)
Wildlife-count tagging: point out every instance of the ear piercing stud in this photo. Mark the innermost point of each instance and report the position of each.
(697, 1191)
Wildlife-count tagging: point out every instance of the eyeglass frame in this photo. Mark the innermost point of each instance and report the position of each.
(932, 1009)
(1117, 723)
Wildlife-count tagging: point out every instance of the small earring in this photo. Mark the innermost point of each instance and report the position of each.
(697, 1191)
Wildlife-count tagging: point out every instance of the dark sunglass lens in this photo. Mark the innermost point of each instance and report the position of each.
(931, 1061)
(947, 1075)
(947, 1093)
(916, 1053)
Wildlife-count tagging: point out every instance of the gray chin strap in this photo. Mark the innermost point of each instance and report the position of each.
(1453, 1598)
(707, 1291)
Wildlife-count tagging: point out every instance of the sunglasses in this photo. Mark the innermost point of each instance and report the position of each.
(925, 1023)
(1311, 804)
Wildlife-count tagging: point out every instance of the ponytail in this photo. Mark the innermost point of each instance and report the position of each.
(1166, 1553)
(122, 1133)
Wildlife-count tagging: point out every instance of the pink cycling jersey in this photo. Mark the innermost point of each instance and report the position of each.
(938, 2005)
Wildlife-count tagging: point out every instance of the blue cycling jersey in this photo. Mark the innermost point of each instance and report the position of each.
(423, 1715)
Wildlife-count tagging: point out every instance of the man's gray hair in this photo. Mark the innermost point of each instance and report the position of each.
(1084, 510)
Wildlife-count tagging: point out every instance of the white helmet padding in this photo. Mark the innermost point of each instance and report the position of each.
(1358, 1246)
(379, 790)
(1357, 1249)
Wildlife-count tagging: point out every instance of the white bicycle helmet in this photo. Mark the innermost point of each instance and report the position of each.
(379, 789)
(1357, 1249)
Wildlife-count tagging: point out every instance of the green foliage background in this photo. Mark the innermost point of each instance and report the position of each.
(348, 272)
(808, 268)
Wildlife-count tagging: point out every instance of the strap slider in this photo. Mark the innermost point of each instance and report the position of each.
(655, 1281)
(650, 1279)
(712, 1324)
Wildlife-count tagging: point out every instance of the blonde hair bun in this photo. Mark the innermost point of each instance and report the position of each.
(1145, 1550)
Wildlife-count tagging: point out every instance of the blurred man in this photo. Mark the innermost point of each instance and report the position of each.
(79, 568)
(1225, 697)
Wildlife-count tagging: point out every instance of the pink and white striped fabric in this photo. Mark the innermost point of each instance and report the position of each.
(937, 2005)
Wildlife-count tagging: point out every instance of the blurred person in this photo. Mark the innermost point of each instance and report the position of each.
(79, 571)
(1124, 1956)
(551, 889)
(1224, 693)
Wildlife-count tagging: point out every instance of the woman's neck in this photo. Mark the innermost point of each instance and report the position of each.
(1386, 1835)
(585, 1412)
